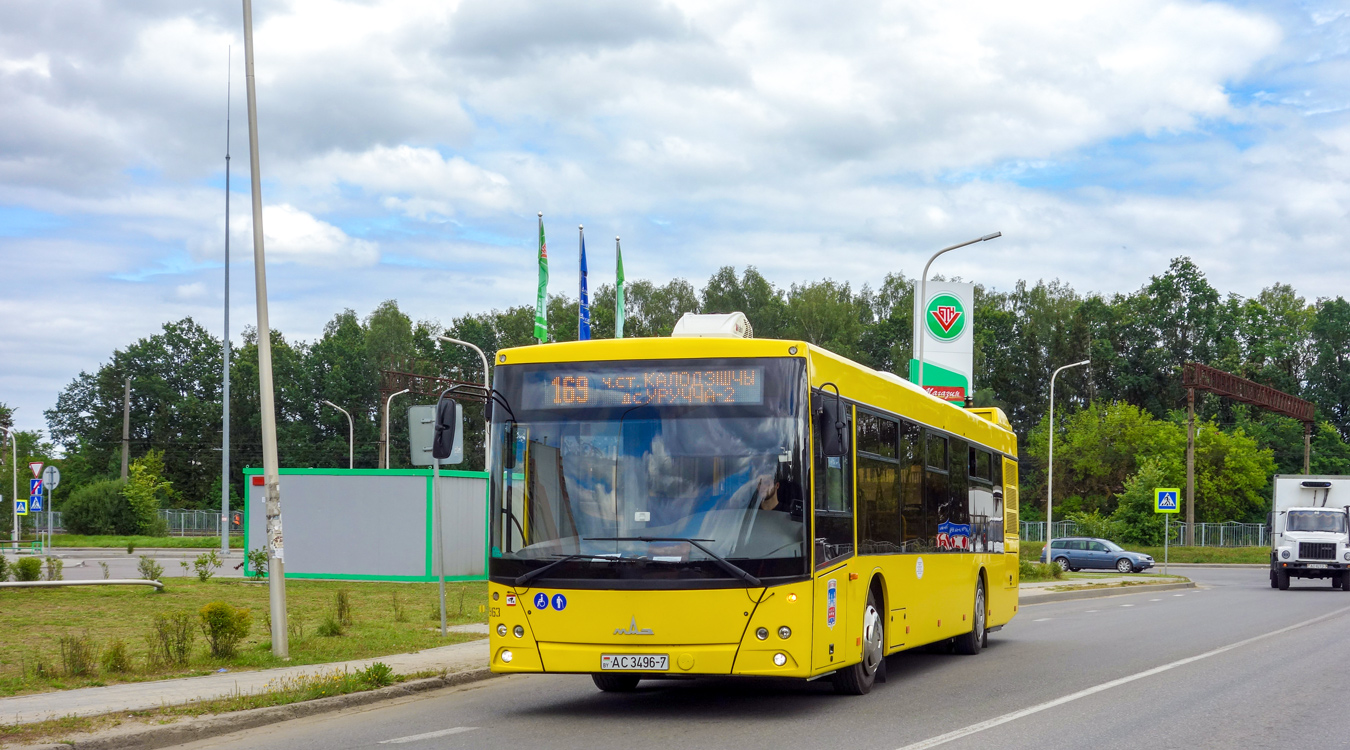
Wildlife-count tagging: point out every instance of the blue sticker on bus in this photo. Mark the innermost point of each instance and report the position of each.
(541, 601)
(559, 602)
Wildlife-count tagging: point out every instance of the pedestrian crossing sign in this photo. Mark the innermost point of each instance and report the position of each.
(20, 507)
(1165, 500)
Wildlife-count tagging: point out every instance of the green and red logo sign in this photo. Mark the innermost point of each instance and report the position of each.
(946, 317)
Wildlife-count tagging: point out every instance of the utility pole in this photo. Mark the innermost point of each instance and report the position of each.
(14, 474)
(1190, 467)
(276, 571)
(225, 378)
(126, 427)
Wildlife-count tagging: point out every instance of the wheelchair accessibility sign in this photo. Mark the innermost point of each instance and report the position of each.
(1165, 500)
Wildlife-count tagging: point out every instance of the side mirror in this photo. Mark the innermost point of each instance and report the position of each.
(447, 429)
(509, 455)
(831, 427)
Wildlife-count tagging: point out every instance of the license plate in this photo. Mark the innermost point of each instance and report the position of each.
(635, 662)
(1317, 565)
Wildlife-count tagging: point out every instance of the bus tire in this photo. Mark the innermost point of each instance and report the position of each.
(615, 683)
(857, 679)
(970, 643)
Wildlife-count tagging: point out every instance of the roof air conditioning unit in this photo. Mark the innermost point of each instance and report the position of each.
(722, 326)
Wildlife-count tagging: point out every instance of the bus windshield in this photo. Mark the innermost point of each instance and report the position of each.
(1316, 520)
(639, 470)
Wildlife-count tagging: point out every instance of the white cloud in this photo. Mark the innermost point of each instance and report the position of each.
(293, 236)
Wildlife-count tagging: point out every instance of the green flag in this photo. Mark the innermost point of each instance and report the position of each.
(618, 296)
(541, 305)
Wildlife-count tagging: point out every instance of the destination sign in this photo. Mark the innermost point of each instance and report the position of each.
(620, 386)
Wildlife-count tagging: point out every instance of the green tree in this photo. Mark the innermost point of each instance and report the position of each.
(1136, 520)
(147, 491)
(1329, 375)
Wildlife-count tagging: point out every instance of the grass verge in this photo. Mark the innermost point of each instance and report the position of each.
(147, 542)
(55, 639)
(1232, 555)
(321, 684)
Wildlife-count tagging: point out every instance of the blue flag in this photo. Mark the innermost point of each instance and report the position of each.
(584, 307)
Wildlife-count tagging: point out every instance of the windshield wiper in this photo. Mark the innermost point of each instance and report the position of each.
(525, 578)
(722, 562)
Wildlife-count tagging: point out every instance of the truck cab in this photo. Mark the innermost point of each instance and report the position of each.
(1310, 531)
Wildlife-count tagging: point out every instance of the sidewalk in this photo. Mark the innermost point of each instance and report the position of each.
(141, 696)
(1082, 588)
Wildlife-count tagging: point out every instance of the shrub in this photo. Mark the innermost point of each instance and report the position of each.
(77, 654)
(171, 637)
(344, 608)
(28, 569)
(224, 627)
(330, 627)
(106, 573)
(206, 565)
(400, 613)
(149, 569)
(4, 569)
(115, 657)
(257, 562)
(131, 547)
(378, 674)
(98, 508)
(146, 491)
(54, 567)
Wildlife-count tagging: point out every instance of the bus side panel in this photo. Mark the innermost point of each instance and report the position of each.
(830, 644)
(1005, 604)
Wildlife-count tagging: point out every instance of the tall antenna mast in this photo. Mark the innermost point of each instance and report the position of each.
(225, 378)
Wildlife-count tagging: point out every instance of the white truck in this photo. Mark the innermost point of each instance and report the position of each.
(1310, 530)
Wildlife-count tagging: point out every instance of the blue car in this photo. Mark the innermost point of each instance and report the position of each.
(1080, 552)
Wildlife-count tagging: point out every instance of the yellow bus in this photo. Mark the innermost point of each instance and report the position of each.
(671, 507)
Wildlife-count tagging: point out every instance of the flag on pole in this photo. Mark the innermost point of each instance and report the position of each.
(584, 301)
(618, 291)
(541, 304)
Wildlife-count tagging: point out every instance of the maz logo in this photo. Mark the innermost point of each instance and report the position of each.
(633, 629)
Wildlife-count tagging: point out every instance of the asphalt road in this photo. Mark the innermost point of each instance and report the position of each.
(1231, 664)
(82, 564)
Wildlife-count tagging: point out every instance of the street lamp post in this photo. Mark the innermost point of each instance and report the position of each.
(487, 443)
(14, 469)
(923, 290)
(351, 435)
(387, 437)
(1050, 472)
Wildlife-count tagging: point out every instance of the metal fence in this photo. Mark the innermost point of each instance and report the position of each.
(178, 521)
(1230, 534)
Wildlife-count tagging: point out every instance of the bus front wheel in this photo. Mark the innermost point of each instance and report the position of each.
(615, 683)
(859, 678)
(970, 643)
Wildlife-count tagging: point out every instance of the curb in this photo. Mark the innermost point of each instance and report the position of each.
(192, 729)
(1061, 596)
(1219, 566)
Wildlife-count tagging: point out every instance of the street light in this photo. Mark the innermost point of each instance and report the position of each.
(923, 291)
(1050, 473)
(387, 437)
(487, 444)
(351, 434)
(14, 468)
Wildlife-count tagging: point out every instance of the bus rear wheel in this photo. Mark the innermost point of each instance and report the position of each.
(615, 683)
(971, 643)
(859, 678)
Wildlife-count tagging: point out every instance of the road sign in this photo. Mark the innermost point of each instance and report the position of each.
(35, 486)
(20, 507)
(36, 467)
(35, 503)
(51, 476)
(1165, 500)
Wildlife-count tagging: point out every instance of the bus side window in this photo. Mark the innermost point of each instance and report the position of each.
(834, 497)
(878, 496)
(956, 513)
(911, 487)
(934, 487)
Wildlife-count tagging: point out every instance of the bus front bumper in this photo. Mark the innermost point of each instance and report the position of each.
(681, 659)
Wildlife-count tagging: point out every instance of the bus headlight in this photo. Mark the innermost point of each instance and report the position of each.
(501, 630)
(784, 632)
(779, 659)
(762, 634)
(520, 631)
(506, 657)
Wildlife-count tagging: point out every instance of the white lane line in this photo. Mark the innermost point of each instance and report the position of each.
(1178, 595)
(1090, 611)
(943, 739)
(427, 735)
(1042, 619)
(1127, 605)
(1155, 600)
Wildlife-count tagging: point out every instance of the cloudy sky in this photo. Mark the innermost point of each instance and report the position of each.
(406, 147)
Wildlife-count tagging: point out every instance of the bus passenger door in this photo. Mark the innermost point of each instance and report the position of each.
(830, 622)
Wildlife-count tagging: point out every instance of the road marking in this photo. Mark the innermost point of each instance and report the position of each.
(1155, 600)
(943, 739)
(1042, 619)
(1093, 610)
(427, 735)
(1127, 605)
(1178, 595)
